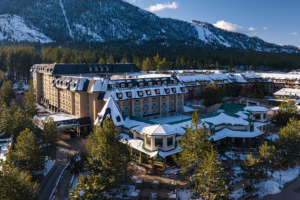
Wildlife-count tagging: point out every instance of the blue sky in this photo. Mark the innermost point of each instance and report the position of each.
(275, 21)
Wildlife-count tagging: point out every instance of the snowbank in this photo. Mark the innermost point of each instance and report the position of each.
(48, 166)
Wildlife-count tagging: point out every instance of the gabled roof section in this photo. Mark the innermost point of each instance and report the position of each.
(232, 108)
(222, 118)
(112, 111)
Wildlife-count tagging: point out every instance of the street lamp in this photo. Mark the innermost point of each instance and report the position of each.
(243, 191)
(280, 182)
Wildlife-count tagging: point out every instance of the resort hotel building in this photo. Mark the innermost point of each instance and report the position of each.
(147, 109)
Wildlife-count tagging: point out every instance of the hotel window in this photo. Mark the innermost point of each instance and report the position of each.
(145, 105)
(90, 69)
(154, 111)
(137, 107)
(257, 116)
(145, 112)
(141, 84)
(137, 114)
(154, 104)
(148, 140)
(179, 101)
(165, 82)
(265, 116)
(157, 91)
(107, 69)
(140, 94)
(129, 84)
(129, 94)
(158, 82)
(120, 96)
(122, 85)
(126, 108)
(112, 86)
(179, 107)
(149, 83)
(164, 110)
(96, 69)
(158, 142)
(170, 141)
(171, 108)
(101, 69)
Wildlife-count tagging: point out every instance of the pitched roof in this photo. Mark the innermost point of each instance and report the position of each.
(161, 130)
(112, 111)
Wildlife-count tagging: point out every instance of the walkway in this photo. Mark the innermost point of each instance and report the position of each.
(66, 147)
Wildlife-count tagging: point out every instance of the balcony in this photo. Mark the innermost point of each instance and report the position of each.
(154, 100)
(154, 107)
(146, 108)
(163, 113)
(164, 106)
(170, 104)
(137, 103)
(137, 110)
(164, 99)
(171, 98)
(146, 101)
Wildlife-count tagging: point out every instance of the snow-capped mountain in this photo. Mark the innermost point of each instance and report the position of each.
(112, 21)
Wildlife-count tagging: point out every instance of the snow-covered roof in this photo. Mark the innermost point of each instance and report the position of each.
(223, 118)
(239, 78)
(58, 117)
(111, 110)
(160, 130)
(187, 109)
(288, 92)
(255, 109)
(225, 132)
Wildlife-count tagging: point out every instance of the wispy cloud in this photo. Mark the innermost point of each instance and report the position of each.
(293, 33)
(159, 7)
(251, 29)
(265, 28)
(228, 26)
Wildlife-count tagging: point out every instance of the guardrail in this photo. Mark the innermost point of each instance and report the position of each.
(52, 196)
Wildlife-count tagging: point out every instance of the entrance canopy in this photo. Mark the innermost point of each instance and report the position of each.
(63, 120)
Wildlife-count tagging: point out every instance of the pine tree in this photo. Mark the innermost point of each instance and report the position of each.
(5, 118)
(110, 60)
(286, 111)
(91, 187)
(288, 143)
(146, 65)
(212, 95)
(101, 61)
(163, 65)
(20, 85)
(29, 101)
(50, 136)
(234, 89)
(217, 65)
(213, 181)
(107, 153)
(182, 63)
(157, 60)
(123, 60)
(194, 146)
(19, 122)
(251, 169)
(27, 154)
(16, 184)
(267, 156)
(6, 92)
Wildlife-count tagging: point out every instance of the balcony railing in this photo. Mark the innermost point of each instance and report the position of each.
(146, 108)
(137, 110)
(154, 107)
(154, 100)
(164, 106)
(170, 104)
(146, 101)
(163, 113)
(137, 103)
(164, 99)
(125, 104)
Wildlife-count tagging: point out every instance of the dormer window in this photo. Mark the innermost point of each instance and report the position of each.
(149, 83)
(157, 91)
(120, 96)
(90, 69)
(174, 90)
(129, 94)
(129, 84)
(141, 84)
(158, 82)
(148, 92)
(112, 86)
(122, 85)
(167, 91)
(175, 82)
(107, 69)
(96, 69)
(140, 94)
(182, 89)
(165, 82)
(102, 69)
(148, 140)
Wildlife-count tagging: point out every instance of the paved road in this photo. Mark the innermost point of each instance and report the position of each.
(292, 192)
(66, 147)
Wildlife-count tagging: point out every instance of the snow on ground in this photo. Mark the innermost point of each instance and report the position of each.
(222, 157)
(3, 150)
(236, 156)
(235, 172)
(48, 165)
(137, 166)
(184, 194)
(237, 194)
(25, 86)
(272, 136)
(174, 170)
(41, 109)
(75, 182)
(120, 192)
(14, 28)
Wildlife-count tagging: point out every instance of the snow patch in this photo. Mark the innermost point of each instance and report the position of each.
(13, 28)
